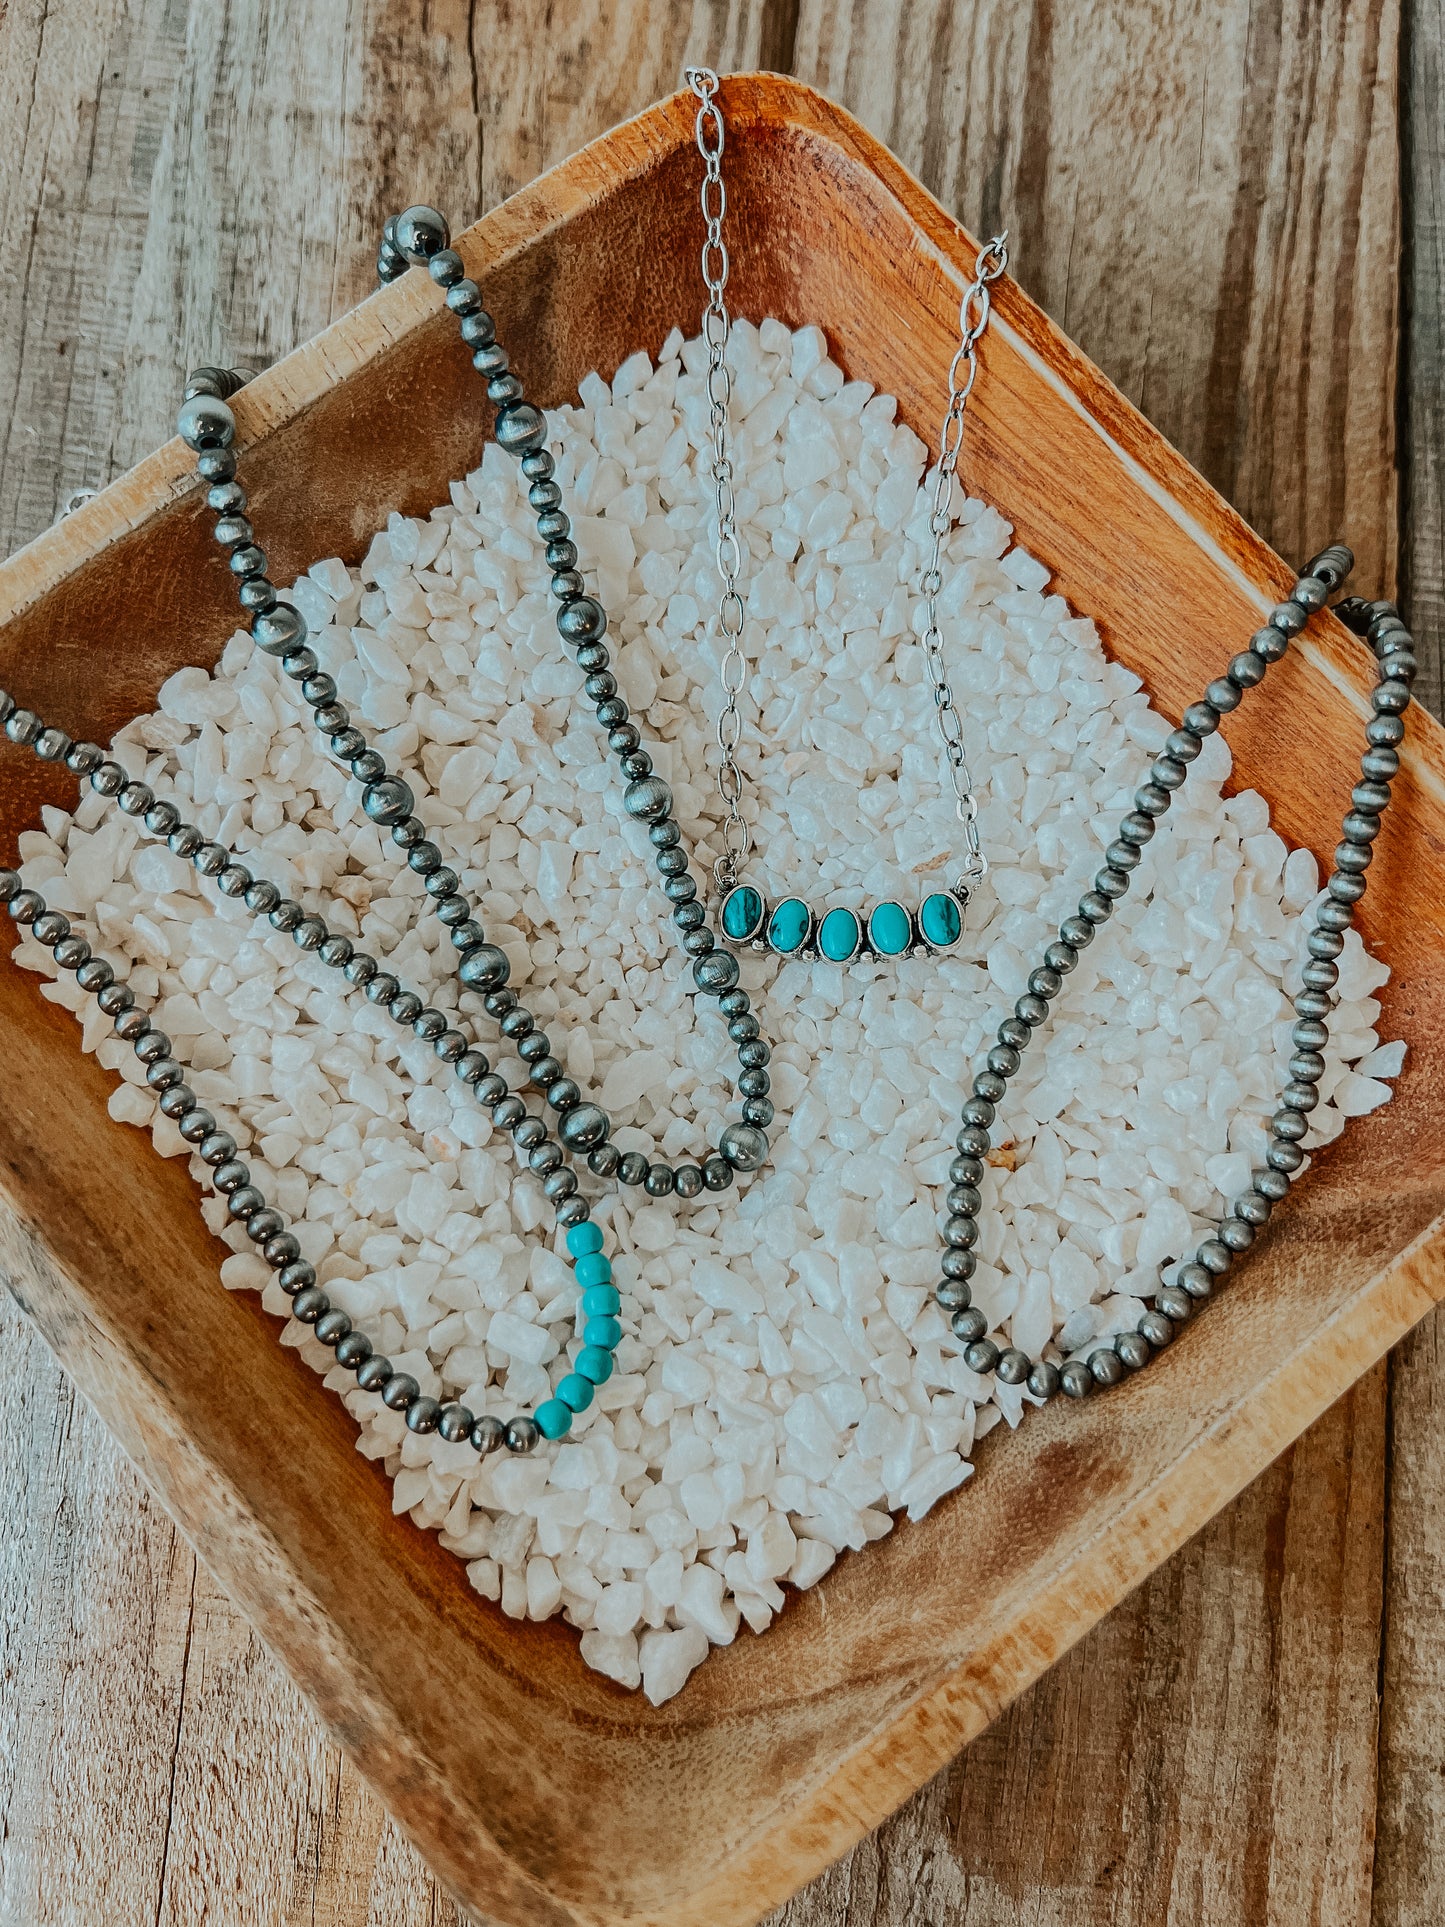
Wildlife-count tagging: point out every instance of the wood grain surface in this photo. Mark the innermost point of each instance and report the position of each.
(184, 185)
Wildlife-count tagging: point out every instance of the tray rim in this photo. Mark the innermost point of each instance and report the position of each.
(839, 1807)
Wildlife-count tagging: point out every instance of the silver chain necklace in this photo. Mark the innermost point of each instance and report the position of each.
(791, 927)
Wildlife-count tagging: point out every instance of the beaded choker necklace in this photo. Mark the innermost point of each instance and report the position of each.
(582, 1130)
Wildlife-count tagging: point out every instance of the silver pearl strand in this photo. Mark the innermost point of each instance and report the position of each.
(1251, 1210)
(279, 630)
(418, 237)
(537, 1151)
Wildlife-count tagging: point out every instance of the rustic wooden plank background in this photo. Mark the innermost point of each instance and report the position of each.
(1211, 195)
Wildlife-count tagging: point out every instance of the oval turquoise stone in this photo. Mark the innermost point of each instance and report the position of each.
(941, 920)
(788, 926)
(584, 1237)
(593, 1268)
(742, 912)
(888, 929)
(554, 1419)
(839, 936)
(602, 1331)
(601, 1301)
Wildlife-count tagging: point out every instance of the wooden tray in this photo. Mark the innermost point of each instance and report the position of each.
(540, 1792)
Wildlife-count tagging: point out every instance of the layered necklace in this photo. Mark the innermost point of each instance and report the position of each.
(568, 1134)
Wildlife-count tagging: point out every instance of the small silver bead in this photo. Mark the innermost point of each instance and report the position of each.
(1106, 1367)
(454, 1423)
(1133, 1348)
(1252, 1208)
(1013, 1366)
(401, 1389)
(1174, 1302)
(1156, 1328)
(1309, 593)
(1076, 1380)
(1044, 1379)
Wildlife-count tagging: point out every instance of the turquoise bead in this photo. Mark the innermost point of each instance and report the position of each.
(941, 920)
(602, 1331)
(583, 1238)
(594, 1362)
(789, 925)
(889, 931)
(554, 1419)
(839, 936)
(576, 1392)
(593, 1269)
(742, 912)
(601, 1301)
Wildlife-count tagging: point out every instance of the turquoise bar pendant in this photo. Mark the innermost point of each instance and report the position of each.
(790, 928)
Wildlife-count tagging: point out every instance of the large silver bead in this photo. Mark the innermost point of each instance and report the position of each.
(278, 631)
(744, 1146)
(484, 967)
(647, 799)
(388, 800)
(584, 1126)
(420, 233)
(205, 422)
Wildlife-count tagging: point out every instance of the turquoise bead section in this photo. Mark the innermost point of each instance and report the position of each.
(583, 1238)
(554, 1419)
(839, 936)
(594, 1362)
(742, 912)
(593, 1269)
(941, 920)
(788, 926)
(888, 929)
(602, 1331)
(576, 1392)
(601, 1301)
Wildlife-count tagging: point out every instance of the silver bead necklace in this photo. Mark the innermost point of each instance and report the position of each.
(207, 425)
(790, 926)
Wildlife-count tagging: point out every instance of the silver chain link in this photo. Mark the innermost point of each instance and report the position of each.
(716, 327)
(963, 372)
(973, 316)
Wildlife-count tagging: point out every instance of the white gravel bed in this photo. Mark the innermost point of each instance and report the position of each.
(786, 1387)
